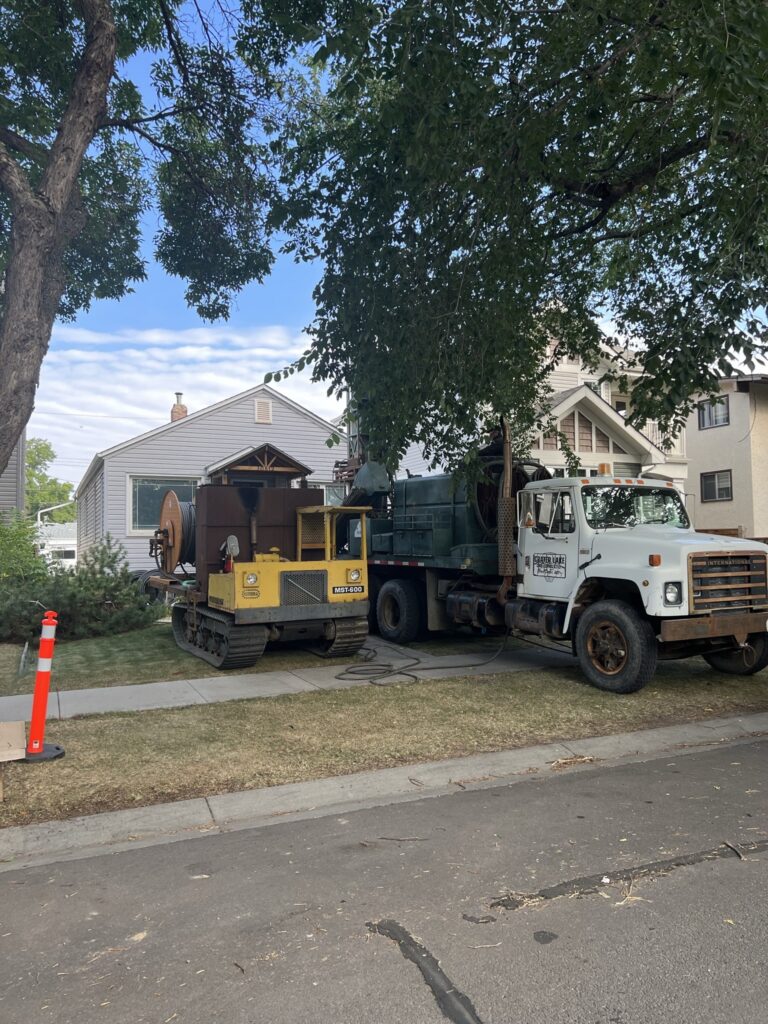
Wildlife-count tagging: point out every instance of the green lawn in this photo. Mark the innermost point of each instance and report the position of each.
(128, 760)
(144, 656)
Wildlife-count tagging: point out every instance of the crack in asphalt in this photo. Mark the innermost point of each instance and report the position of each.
(593, 883)
(454, 1005)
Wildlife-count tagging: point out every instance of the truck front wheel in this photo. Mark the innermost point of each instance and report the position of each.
(398, 611)
(744, 661)
(616, 647)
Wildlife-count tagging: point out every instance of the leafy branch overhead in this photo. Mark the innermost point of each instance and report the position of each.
(482, 180)
(85, 154)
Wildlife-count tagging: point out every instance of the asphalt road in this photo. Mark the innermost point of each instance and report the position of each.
(391, 914)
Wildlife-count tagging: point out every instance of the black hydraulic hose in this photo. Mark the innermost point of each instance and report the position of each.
(187, 553)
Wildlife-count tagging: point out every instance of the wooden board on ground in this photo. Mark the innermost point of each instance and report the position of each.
(13, 740)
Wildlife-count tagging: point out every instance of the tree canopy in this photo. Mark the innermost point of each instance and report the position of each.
(482, 178)
(86, 150)
(42, 490)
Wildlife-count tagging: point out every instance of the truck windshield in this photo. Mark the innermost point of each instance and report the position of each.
(607, 506)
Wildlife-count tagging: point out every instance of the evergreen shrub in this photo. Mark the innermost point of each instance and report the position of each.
(97, 598)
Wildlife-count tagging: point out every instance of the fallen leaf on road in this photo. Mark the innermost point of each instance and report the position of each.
(138, 937)
(569, 762)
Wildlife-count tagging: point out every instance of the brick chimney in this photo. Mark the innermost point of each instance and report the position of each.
(178, 411)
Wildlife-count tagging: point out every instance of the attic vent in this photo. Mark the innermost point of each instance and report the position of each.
(263, 410)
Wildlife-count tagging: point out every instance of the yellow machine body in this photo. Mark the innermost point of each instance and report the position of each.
(317, 581)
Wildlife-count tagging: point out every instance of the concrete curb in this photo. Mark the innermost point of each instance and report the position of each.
(115, 831)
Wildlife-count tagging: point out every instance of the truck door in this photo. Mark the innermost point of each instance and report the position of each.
(548, 542)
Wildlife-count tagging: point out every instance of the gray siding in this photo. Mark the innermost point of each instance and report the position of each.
(12, 481)
(191, 444)
(90, 512)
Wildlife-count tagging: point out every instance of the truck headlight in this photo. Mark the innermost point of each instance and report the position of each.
(354, 575)
(673, 593)
(251, 579)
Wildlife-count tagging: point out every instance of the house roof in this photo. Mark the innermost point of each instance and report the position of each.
(259, 390)
(267, 449)
(563, 401)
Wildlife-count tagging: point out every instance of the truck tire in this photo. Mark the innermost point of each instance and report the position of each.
(398, 611)
(616, 647)
(742, 662)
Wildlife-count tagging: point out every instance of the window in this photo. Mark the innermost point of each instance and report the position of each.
(262, 410)
(621, 407)
(335, 494)
(147, 496)
(714, 414)
(615, 507)
(717, 486)
(549, 511)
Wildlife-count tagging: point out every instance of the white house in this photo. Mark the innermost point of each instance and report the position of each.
(728, 450)
(591, 415)
(123, 486)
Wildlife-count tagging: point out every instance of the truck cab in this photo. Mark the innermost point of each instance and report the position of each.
(615, 566)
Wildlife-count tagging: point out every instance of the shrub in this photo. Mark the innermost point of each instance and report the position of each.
(18, 549)
(96, 599)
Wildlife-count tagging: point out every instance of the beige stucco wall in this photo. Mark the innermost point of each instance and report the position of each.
(719, 448)
(759, 454)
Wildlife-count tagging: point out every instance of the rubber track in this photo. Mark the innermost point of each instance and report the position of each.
(246, 643)
(351, 634)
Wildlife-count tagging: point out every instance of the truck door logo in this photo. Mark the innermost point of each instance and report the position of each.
(549, 566)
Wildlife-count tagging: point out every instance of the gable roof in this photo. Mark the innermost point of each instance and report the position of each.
(260, 390)
(564, 401)
(266, 449)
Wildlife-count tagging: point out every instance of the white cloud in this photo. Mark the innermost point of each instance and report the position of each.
(98, 389)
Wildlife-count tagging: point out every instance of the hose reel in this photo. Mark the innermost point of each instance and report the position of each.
(173, 542)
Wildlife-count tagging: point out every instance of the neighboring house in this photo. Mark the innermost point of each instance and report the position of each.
(57, 543)
(728, 452)
(591, 415)
(12, 480)
(121, 491)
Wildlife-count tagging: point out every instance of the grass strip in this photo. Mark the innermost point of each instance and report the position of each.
(128, 760)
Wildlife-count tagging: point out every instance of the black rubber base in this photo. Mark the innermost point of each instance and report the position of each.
(49, 752)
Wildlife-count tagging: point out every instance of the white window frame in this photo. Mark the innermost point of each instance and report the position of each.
(708, 413)
(715, 474)
(129, 478)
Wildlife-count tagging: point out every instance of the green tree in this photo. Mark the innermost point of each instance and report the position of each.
(42, 490)
(484, 178)
(83, 154)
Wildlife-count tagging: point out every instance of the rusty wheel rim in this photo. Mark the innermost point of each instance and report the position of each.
(607, 648)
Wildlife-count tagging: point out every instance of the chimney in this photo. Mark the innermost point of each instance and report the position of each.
(178, 411)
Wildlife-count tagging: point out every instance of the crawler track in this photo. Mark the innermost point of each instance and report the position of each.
(350, 636)
(215, 638)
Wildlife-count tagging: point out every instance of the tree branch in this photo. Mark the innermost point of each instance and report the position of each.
(610, 193)
(131, 122)
(13, 179)
(86, 107)
(17, 142)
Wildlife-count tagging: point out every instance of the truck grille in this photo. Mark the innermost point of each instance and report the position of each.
(722, 580)
(308, 587)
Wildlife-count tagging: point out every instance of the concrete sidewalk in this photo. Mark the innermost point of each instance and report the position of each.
(114, 831)
(215, 688)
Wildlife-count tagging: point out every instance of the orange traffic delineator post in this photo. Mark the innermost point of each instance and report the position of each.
(37, 748)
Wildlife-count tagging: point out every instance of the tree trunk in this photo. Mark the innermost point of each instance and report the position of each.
(44, 222)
